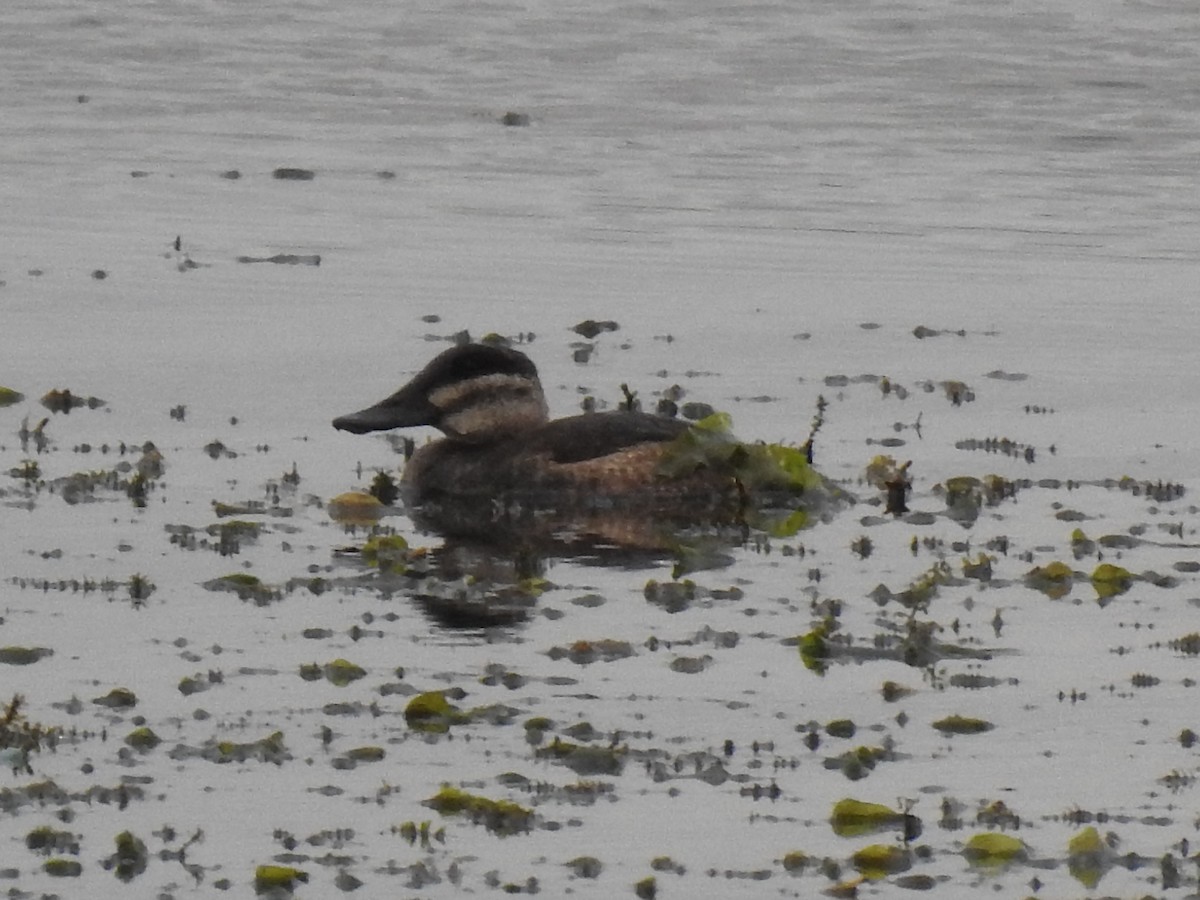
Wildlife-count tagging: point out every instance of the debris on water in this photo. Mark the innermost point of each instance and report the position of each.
(957, 724)
(130, 858)
(590, 328)
(877, 861)
(23, 656)
(991, 850)
(63, 401)
(501, 817)
(9, 397)
(515, 119)
(269, 879)
(289, 173)
(143, 739)
(285, 259)
(339, 672)
(1110, 581)
(855, 818)
(117, 698)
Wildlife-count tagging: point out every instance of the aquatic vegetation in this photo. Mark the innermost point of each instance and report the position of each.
(583, 759)
(269, 879)
(384, 488)
(646, 889)
(1002, 446)
(340, 672)
(388, 553)
(143, 739)
(990, 850)
(268, 749)
(877, 861)
(957, 724)
(62, 868)
(858, 763)
(1054, 579)
(355, 508)
(855, 818)
(366, 754)
(9, 397)
(1110, 581)
(980, 568)
(19, 737)
(814, 647)
(245, 585)
(585, 652)
(501, 817)
(63, 401)
(46, 840)
(140, 588)
(23, 656)
(432, 713)
(117, 698)
(130, 857)
(756, 468)
(1088, 857)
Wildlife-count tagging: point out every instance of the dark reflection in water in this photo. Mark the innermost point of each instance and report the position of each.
(494, 562)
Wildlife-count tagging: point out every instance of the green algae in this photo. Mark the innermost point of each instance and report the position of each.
(962, 725)
(646, 889)
(990, 850)
(814, 648)
(143, 739)
(47, 840)
(854, 818)
(1088, 857)
(878, 861)
(130, 857)
(388, 553)
(384, 488)
(339, 672)
(709, 445)
(432, 713)
(796, 862)
(62, 868)
(245, 585)
(277, 878)
(583, 759)
(268, 749)
(1110, 581)
(858, 763)
(118, 698)
(501, 817)
(23, 656)
(1055, 579)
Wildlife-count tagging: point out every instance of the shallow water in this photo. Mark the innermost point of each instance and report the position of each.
(769, 199)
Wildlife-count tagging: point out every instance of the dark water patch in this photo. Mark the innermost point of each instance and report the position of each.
(285, 259)
(289, 173)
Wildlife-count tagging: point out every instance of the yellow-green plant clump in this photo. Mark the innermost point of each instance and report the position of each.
(501, 817)
(990, 849)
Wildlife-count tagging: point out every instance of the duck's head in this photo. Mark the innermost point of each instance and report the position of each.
(473, 392)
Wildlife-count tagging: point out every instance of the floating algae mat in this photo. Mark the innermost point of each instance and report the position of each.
(243, 672)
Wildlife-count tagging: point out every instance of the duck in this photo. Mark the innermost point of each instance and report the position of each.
(498, 438)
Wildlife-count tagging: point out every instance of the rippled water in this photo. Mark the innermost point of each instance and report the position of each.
(768, 198)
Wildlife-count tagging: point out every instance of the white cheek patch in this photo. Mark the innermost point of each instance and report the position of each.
(489, 403)
(475, 390)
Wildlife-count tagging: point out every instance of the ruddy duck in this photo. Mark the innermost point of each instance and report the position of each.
(488, 402)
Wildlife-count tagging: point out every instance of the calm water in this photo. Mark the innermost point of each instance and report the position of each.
(754, 181)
